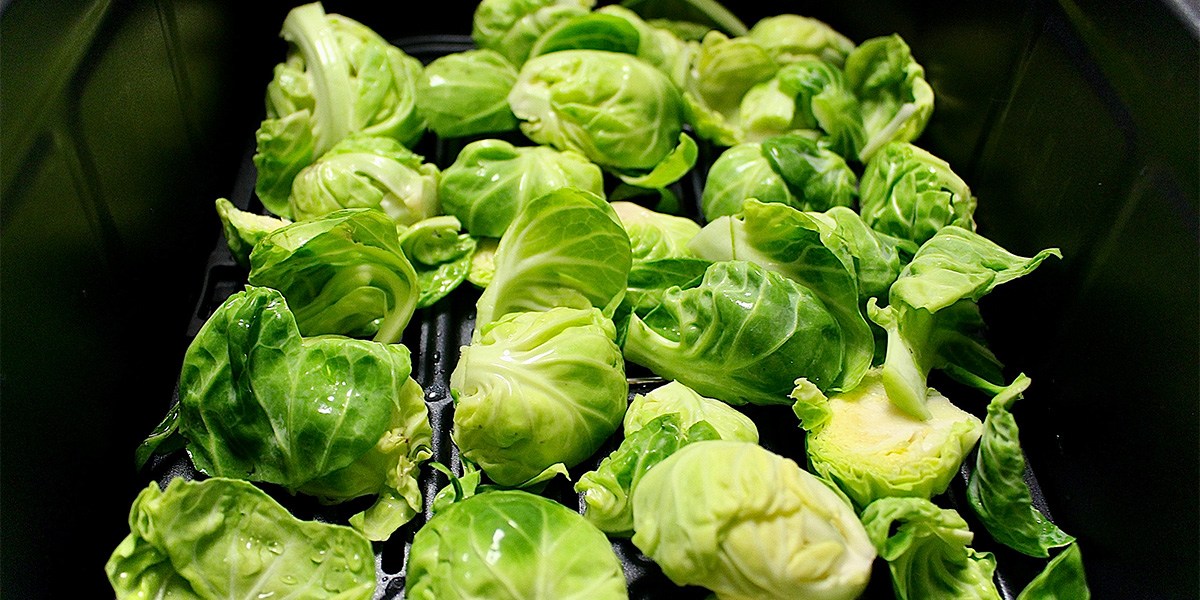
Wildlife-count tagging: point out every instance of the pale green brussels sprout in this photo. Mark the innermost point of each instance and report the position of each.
(908, 193)
(536, 391)
(654, 235)
(327, 416)
(870, 449)
(340, 77)
(928, 550)
(344, 273)
(744, 334)
(932, 318)
(890, 85)
(789, 169)
(566, 248)
(466, 93)
(243, 229)
(614, 108)
(657, 45)
(789, 37)
(997, 489)
(809, 97)
(368, 172)
(747, 523)
(676, 398)
(809, 250)
(512, 545)
(441, 255)
(490, 180)
(512, 27)
(224, 538)
(723, 71)
(656, 425)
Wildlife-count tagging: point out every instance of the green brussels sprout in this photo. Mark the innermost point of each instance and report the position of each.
(614, 108)
(861, 442)
(928, 550)
(490, 180)
(466, 93)
(910, 194)
(512, 27)
(440, 254)
(344, 273)
(657, 45)
(566, 248)
(807, 249)
(244, 229)
(890, 85)
(657, 424)
(537, 391)
(654, 235)
(512, 545)
(723, 71)
(340, 77)
(327, 416)
(744, 522)
(367, 172)
(743, 335)
(224, 538)
(789, 169)
(788, 38)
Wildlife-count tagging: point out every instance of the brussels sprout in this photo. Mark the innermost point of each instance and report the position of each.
(490, 180)
(788, 38)
(927, 550)
(910, 194)
(440, 254)
(890, 84)
(997, 489)
(870, 449)
(649, 281)
(566, 248)
(658, 46)
(224, 538)
(243, 229)
(744, 522)
(344, 273)
(809, 251)
(340, 77)
(615, 109)
(537, 391)
(512, 27)
(367, 172)
(788, 169)
(327, 416)
(724, 70)
(591, 31)
(466, 93)
(932, 319)
(654, 235)
(512, 545)
(677, 398)
(656, 425)
(744, 334)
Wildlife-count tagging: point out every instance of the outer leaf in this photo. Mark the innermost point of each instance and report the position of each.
(997, 489)
(440, 254)
(1062, 579)
(928, 550)
(223, 538)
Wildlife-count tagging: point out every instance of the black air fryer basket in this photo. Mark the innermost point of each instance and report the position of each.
(1076, 125)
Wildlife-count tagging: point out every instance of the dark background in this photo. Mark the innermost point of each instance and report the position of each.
(1076, 125)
